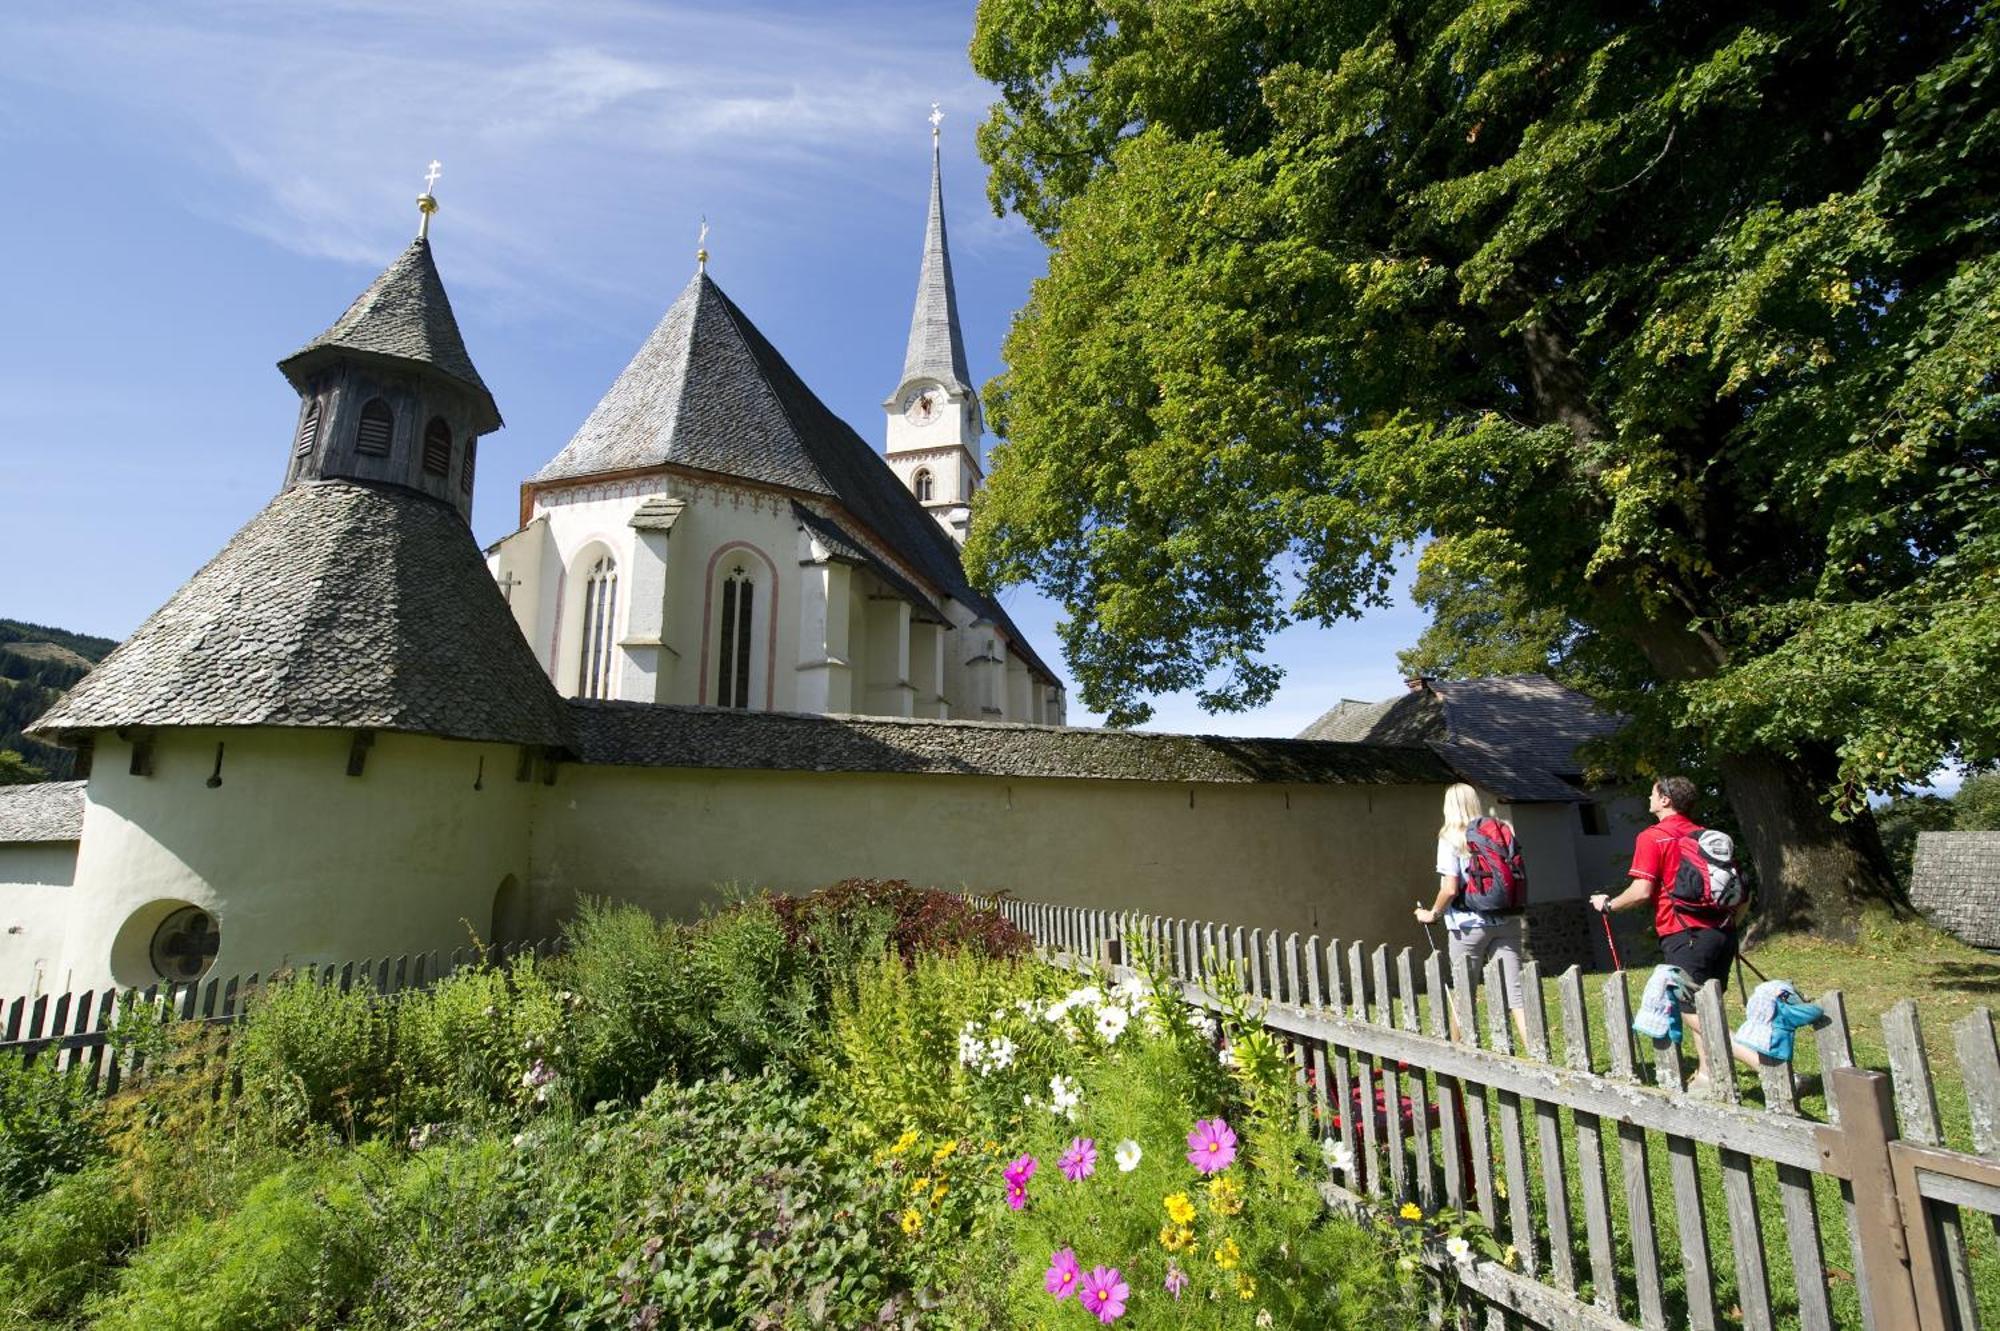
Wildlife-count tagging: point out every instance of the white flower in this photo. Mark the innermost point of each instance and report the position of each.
(1057, 1011)
(1338, 1155)
(1088, 996)
(1460, 1250)
(520, 1139)
(1111, 1021)
(999, 1054)
(1227, 1056)
(1064, 1096)
(1263, 1317)
(1127, 1156)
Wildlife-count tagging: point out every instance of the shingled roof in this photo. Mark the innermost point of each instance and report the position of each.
(707, 391)
(44, 811)
(342, 604)
(844, 547)
(937, 348)
(403, 316)
(1515, 735)
(659, 735)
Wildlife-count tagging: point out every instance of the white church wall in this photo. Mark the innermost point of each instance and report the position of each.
(1346, 860)
(36, 896)
(296, 860)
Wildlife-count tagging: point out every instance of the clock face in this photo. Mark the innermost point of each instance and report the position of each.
(924, 406)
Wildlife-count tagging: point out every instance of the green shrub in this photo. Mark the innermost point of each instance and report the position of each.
(759, 1000)
(314, 1054)
(297, 1252)
(914, 920)
(57, 1247)
(468, 1047)
(48, 1126)
(638, 999)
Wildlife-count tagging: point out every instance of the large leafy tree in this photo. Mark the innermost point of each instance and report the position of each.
(1671, 330)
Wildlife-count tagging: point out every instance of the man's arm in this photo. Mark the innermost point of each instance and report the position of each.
(1640, 889)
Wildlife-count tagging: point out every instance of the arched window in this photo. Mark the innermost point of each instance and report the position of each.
(600, 612)
(921, 483)
(377, 428)
(308, 429)
(465, 466)
(437, 447)
(732, 675)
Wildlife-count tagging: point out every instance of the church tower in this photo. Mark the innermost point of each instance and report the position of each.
(934, 422)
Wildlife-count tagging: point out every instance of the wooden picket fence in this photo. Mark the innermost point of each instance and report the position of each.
(1556, 1149)
(81, 1031)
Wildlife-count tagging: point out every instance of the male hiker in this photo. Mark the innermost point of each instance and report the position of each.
(1697, 895)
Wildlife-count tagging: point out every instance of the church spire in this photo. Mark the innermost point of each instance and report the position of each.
(937, 348)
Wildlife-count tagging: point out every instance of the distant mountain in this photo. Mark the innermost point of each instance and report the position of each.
(37, 665)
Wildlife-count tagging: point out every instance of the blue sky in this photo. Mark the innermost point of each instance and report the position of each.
(195, 190)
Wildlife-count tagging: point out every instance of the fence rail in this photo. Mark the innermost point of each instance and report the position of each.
(81, 1030)
(1631, 1201)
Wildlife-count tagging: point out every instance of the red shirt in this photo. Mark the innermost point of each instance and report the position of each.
(1655, 856)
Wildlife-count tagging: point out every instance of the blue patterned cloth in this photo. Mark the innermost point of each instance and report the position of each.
(1774, 1013)
(1659, 1014)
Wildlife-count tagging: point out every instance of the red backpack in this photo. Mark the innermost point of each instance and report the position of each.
(1706, 886)
(1495, 881)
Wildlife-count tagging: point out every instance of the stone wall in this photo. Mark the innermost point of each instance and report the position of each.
(1562, 934)
(1955, 882)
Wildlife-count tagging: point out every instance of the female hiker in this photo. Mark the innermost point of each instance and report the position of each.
(1482, 892)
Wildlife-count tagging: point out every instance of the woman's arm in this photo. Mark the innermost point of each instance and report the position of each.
(1447, 890)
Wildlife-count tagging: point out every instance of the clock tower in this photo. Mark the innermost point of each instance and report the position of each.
(934, 420)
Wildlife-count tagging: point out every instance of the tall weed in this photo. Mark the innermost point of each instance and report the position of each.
(49, 1126)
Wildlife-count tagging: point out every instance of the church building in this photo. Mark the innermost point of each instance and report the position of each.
(713, 534)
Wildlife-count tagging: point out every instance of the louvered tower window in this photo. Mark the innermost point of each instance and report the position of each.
(308, 429)
(377, 429)
(465, 467)
(923, 486)
(437, 448)
(600, 610)
(732, 676)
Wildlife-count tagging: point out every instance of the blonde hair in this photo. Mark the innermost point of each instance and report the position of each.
(1462, 808)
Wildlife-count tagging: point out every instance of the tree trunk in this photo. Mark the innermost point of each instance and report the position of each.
(1814, 875)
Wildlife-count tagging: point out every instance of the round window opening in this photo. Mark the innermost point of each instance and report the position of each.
(185, 944)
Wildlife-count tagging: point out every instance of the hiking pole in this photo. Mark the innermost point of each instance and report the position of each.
(1429, 937)
(1604, 917)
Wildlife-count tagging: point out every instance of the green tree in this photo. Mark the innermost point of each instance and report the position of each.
(18, 771)
(1682, 318)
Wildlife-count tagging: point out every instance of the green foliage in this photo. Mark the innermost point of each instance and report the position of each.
(61, 1245)
(37, 665)
(465, 1046)
(1673, 331)
(313, 1054)
(851, 920)
(49, 1126)
(1975, 808)
(296, 1253)
(632, 974)
(18, 771)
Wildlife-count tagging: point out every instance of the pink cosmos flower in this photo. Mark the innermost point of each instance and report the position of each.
(1017, 1194)
(1062, 1275)
(1176, 1280)
(1211, 1146)
(1020, 1170)
(1079, 1162)
(1103, 1294)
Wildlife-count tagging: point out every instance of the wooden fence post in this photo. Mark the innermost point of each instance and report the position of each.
(1859, 1149)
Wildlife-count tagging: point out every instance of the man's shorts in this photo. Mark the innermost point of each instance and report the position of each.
(1704, 954)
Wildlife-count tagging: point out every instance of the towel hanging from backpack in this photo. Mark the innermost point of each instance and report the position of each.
(1659, 1014)
(1773, 1013)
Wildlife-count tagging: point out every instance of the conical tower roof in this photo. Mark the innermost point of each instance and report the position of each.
(937, 348)
(403, 316)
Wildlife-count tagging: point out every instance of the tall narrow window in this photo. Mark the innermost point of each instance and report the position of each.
(437, 447)
(465, 466)
(922, 485)
(377, 428)
(600, 610)
(308, 429)
(732, 676)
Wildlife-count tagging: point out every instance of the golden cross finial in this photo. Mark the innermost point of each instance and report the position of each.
(426, 202)
(701, 248)
(937, 118)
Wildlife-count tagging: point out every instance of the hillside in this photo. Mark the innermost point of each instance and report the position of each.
(37, 664)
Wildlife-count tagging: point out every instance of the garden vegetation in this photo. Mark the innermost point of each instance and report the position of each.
(870, 1107)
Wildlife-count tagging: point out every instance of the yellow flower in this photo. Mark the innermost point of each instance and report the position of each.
(1411, 1211)
(1225, 1195)
(943, 1153)
(1176, 1238)
(937, 1193)
(912, 1222)
(919, 1185)
(1179, 1209)
(1228, 1255)
(904, 1142)
(1246, 1287)
(1511, 1256)
(992, 1147)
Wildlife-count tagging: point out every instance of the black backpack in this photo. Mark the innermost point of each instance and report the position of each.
(1495, 881)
